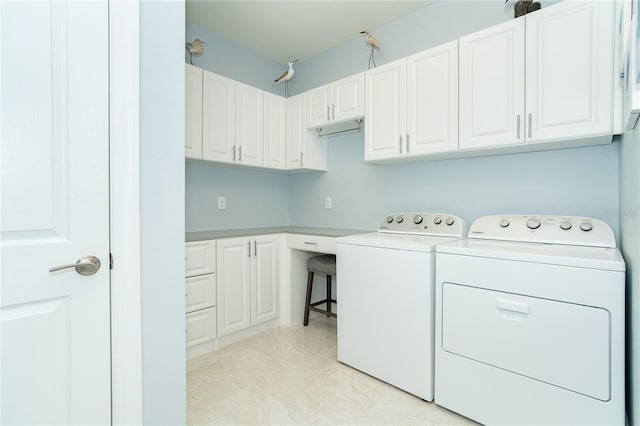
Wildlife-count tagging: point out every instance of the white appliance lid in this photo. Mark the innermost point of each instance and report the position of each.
(395, 241)
(604, 258)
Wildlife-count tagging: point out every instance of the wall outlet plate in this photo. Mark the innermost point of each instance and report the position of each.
(222, 203)
(328, 202)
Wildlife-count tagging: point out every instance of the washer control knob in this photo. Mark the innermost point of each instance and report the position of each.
(390, 219)
(449, 221)
(399, 219)
(437, 220)
(565, 224)
(586, 226)
(533, 223)
(417, 219)
(504, 223)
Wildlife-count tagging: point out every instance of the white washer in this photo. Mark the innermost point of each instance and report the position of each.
(530, 322)
(386, 298)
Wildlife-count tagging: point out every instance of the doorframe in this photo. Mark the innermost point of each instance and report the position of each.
(124, 124)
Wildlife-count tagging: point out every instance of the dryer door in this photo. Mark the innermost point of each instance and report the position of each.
(559, 343)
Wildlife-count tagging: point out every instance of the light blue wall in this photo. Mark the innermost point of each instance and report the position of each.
(254, 198)
(232, 61)
(630, 246)
(162, 212)
(581, 181)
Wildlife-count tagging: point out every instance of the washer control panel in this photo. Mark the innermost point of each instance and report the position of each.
(572, 230)
(436, 224)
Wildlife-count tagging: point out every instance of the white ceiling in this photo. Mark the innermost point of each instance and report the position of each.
(295, 29)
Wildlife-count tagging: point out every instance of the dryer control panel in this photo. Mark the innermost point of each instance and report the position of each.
(436, 224)
(571, 230)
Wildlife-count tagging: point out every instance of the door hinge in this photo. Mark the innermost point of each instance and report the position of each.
(110, 261)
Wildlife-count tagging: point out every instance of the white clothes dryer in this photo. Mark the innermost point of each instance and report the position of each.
(386, 298)
(530, 322)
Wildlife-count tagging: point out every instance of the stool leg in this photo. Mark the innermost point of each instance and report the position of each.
(328, 294)
(308, 298)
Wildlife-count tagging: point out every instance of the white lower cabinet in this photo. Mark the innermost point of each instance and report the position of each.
(247, 287)
(200, 297)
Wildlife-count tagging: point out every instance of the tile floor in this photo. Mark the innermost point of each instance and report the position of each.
(291, 376)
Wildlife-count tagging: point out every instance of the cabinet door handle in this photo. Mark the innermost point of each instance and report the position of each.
(240, 153)
(518, 126)
(255, 248)
(407, 143)
(301, 159)
(249, 244)
(333, 111)
(234, 153)
(400, 144)
(529, 125)
(328, 110)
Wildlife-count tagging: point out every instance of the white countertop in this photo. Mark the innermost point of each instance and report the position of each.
(300, 230)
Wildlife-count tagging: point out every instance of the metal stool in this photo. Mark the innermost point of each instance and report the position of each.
(325, 264)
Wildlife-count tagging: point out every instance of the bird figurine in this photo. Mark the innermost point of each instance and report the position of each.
(285, 77)
(371, 41)
(195, 49)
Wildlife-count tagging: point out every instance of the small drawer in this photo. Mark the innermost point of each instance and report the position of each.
(200, 292)
(312, 243)
(200, 326)
(200, 258)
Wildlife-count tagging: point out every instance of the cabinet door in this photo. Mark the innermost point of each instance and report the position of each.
(569, 72)
(348, 98)
(296, 131)
(218, 117)
(264, 279)
(385, 111)
(492, 86)
(318, 106)
(233, 286)
(432, 100)
(275, 129)
(249, 125)
(193, 111)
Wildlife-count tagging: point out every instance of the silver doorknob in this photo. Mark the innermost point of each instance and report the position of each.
(86, 266)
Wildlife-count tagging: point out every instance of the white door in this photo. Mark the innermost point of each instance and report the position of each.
(432, 100)
(318, 109)
(492, 86)
(264, 279)
(275, 130)
(55, 205)
(348, 98)
(218, 118)
(249, 125)
(193, 111)
(569, 73)
(385, 109)
(296, 131)
(234, 285)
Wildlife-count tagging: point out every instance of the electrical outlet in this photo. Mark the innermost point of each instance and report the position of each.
(222, 203)
(328, 202)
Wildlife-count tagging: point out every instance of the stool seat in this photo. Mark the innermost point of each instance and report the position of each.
(324, 264)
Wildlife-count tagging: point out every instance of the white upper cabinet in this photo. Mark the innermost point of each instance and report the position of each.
(193, 111)
(559, 59)
(275, 131)
(218, 118)
(339, 101)
(492, 86)
(385, 111)
(412, 106)
(305, 149)
(249, 125)
(432, 101)
(569, 61)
